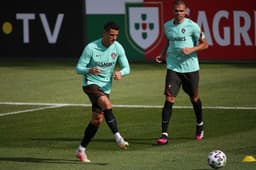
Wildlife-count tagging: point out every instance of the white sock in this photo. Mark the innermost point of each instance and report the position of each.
(117, 136)
(200, 124)
(81, 148)
(165, 133)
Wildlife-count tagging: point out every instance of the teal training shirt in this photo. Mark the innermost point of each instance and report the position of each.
(185, 34)
(104, 58)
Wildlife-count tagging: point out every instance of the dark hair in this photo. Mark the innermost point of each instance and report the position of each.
(110, 25)
(179, 2)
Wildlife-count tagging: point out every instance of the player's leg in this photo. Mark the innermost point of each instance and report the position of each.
(93, 125)
(190, 86)
(197, 105)
(172, 85)
(105, 104)
(89, 133)
(166, 115)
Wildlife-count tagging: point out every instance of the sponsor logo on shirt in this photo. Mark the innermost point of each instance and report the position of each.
(105, 64)
(178, 39)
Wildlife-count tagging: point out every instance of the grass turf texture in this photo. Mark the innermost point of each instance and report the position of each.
(47, 139)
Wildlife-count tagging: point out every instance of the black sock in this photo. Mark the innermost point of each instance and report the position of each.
(166, 115)
(111, 120)
(198, 111)
(89, 133)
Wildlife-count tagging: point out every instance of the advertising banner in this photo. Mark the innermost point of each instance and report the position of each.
(41, 28)
(230, 27)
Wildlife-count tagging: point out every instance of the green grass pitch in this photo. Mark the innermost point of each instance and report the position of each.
(47, 138)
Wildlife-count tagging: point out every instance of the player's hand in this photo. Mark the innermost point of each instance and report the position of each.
(94, 70)
(117, 75)
(159, 59)
(186, 51)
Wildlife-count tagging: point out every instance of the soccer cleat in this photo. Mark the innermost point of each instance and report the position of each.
(122, 144)
(82, 156)
(199, 132)
(162, 140)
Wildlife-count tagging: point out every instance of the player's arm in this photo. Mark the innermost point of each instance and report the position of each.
(82, 65)
(160, 58)
(199, 37)
(202, 45)
(124, 65)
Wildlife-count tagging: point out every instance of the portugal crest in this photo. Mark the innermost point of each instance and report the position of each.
(144, 25)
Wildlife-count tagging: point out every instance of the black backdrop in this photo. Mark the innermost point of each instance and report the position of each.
(41, 28)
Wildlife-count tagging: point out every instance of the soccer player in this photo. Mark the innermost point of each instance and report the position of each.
(97, 66)
(185, 39)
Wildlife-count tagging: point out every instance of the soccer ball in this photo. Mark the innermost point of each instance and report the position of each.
(217, 159)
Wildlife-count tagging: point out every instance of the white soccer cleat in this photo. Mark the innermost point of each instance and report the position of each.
(122, 144)
(82, 156)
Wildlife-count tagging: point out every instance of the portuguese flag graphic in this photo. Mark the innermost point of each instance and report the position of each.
(141, 25)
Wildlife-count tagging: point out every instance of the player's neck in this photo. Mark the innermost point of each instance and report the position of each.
(104, 43)
(176, 21)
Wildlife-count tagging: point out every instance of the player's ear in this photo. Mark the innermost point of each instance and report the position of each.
(187, 12)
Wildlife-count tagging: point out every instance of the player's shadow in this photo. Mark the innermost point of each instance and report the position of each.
(140, 141)
(174, 140)
(47, 160)
(61, 139)
(135, 143)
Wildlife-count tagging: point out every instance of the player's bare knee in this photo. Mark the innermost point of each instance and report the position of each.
(170, 99)
(194, 99)
(97, 120)
(104, 103)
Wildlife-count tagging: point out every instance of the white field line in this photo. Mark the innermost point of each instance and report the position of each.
(131, 106)
(30, 110)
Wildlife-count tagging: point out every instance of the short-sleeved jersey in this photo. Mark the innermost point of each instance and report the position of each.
(185, 34)
(97, 55)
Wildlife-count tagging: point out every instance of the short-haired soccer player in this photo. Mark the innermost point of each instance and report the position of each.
(185, 39)
(97, 67)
